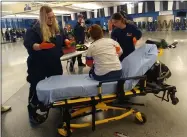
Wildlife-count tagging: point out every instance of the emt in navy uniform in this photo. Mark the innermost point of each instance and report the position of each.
(79, 35)
(44, 42)
(125, 33)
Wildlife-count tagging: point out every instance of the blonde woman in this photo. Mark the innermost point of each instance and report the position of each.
(44, 45)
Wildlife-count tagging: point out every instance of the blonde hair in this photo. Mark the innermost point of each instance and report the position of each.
(47, 32)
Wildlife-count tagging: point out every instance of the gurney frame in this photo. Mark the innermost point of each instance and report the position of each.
(106, 102)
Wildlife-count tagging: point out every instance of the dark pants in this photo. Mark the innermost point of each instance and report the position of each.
(79, 59)
(37, 72)
(109, 76)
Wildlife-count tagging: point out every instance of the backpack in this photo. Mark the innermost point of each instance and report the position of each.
(158, 73)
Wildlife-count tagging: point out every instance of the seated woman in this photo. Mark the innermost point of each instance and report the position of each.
(103, 56)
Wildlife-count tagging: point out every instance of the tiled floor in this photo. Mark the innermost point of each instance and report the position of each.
(164, 119)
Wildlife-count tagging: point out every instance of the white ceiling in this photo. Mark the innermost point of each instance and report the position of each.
(59, 8)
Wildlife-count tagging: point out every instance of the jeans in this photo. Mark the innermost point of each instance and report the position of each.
(109, 76)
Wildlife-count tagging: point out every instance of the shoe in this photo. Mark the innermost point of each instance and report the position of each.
(81, 65)
(5, 108)
(71, 67)
(35, 118)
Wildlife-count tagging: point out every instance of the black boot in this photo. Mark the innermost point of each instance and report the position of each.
(71, 67)
(79, 59)
(34, 117)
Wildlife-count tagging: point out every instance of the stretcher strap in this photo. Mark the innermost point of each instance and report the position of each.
(67, 118)
(133, 91)
(100, 93)
(120, 90)
(93, 113)
(142, 85)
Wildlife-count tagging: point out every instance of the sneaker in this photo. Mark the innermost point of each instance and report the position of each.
(35, 118)
(81, 65)
(5, 108)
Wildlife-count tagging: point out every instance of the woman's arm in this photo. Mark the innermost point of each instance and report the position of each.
(32, 42)
(136, 32)
(118, 48)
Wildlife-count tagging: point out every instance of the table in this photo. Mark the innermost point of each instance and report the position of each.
(69, 56)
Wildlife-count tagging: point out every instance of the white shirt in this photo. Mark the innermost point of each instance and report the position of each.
(103, 52)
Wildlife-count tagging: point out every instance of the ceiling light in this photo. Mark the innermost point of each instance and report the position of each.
(56, 12)
(66, 15)
(124, 3)
(62, 12)
(8, 3)
(7, 11)
(21, 16)
(87, 6)
(75, 8)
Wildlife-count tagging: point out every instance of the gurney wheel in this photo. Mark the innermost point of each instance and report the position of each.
(140, 118)
(63, 132)
(175, 101)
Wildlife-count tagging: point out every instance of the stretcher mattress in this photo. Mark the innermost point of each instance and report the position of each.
(60, 87)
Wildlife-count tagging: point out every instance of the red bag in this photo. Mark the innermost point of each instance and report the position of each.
(69, 50)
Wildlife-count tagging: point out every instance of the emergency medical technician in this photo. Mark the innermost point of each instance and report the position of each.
(125, 33)
(44, 43)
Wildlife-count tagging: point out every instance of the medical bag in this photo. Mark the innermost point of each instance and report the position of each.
(158, 73)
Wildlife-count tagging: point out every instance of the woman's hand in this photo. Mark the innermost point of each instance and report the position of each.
(119, 51)
(36, 47)
(134, 40)
(43, 45)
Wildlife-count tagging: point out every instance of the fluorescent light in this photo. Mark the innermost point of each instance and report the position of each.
(21, 16)
(66, 15)
(56, 12)
(75, 8)
(87, 6)
(125, 3)
(7, 11)
(8, 3)
(62, 12)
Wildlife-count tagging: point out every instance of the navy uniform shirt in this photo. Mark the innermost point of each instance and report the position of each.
(79, 33)
(125, 38)
(48, 56)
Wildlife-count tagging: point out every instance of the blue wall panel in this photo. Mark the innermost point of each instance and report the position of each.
(105, 19)
(149, 14)
(26, 23)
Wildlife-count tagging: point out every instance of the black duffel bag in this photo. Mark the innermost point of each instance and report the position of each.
(158, 73)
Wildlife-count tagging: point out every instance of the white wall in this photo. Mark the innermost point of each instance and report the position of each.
(145, 19)
(170, 5)
(157, 5)
(140, 7)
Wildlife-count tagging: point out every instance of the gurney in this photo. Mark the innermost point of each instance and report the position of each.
(79, 95)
